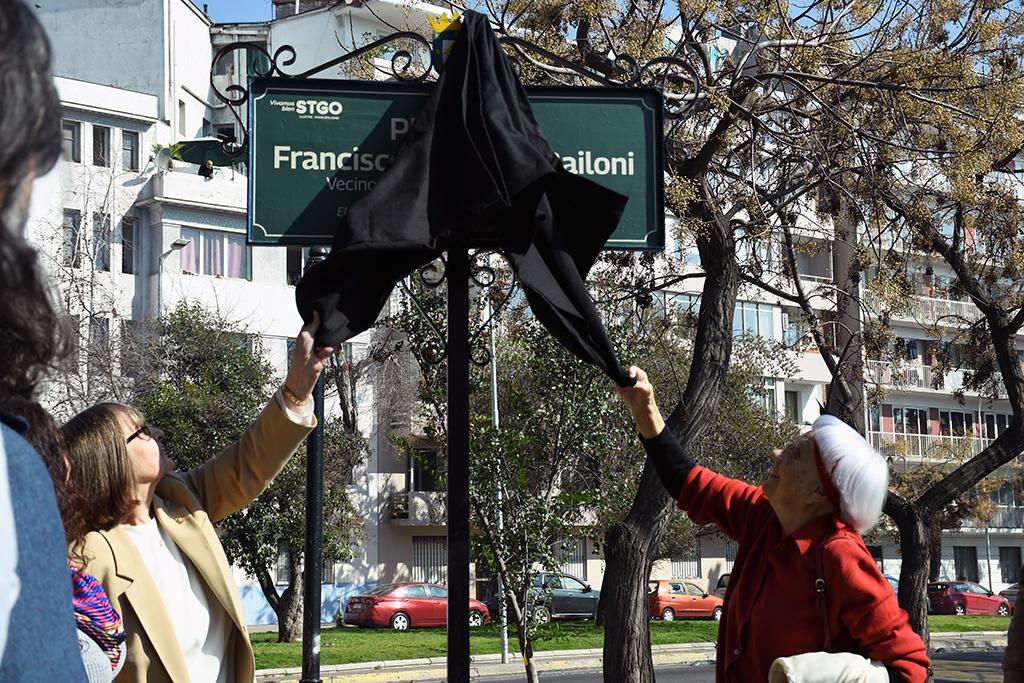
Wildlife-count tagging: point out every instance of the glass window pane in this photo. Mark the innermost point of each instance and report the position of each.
(100, 146)
(213, 254)
(190, 253)
(898, 424)
(765, 322)
(128, 245)
(235, 247)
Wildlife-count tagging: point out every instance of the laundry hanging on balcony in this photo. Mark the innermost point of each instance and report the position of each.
(474, 170)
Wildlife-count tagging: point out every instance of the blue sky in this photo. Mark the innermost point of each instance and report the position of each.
(238, 10)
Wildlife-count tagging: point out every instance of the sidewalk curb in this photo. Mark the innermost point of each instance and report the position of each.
(490, 666)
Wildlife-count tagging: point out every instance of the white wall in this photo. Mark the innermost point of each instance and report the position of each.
(119, 43)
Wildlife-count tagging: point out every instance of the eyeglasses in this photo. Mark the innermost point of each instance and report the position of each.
(144, 430)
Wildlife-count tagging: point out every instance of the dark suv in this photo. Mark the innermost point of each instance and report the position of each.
(553, 596)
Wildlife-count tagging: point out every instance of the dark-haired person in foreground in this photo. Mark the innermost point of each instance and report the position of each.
(806, 601)
(37, 624)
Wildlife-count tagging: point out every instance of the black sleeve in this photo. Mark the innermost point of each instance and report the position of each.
(671, 463)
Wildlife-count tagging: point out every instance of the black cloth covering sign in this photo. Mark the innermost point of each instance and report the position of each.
(474, 169)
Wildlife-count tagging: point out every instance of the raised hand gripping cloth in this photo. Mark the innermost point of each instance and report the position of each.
(474, 168)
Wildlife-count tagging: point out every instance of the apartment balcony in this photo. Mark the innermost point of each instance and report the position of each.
(929, 311)
(927, 447)
(183, 187)
(1003, 518)
(919, 377)
(417, 508)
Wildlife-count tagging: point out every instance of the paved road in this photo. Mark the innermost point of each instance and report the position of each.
(978, 667)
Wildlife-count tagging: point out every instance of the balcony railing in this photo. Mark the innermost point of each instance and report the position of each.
(918, 376)
(927, 446)
(1003, 517)
(928, 311)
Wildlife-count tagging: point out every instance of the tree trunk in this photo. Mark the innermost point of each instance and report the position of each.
(847, 402)
(631, 544)
(915, 548)
(289, 614)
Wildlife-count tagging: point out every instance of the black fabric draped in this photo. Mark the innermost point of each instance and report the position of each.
(474, 169)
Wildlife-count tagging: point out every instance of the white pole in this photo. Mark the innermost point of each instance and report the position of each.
(988, 557)
(502, 611)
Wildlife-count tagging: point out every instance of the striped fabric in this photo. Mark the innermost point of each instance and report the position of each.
(95, 616)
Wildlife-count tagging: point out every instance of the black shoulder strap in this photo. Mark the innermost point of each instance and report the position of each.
(819, 587)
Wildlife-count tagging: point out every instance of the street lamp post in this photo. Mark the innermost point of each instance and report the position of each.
(176, 245)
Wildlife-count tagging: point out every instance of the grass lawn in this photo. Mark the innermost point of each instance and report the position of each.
(950, 623)
(349, 645)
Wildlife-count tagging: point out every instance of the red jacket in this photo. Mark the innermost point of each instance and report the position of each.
(771, 607)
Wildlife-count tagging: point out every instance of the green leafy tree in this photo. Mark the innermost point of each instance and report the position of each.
(210, 380)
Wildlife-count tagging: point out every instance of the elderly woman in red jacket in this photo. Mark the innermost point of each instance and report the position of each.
(806, 602)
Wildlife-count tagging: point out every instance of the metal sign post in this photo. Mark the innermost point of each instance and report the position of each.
(458, 464)
(314, 541)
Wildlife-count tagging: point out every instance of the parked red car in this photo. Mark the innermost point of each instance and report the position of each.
(673, 599)
(965, 597)
(406, 605)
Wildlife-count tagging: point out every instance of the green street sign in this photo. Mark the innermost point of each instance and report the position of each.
(317, 146)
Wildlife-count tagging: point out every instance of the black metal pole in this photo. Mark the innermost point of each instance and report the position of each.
(313, 556)
(458, 465)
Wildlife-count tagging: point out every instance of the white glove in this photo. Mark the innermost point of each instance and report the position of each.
(827, 667)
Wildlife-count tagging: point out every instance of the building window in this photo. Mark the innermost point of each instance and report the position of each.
(226, 133)
(730, 554)
(910, 420)
(282, 574)
(430, 559)
(220, 254)
(98, 358)
(1009, 564)
(130, 150)
(72, 140)
(876, 555)
(100, 146)
(181, 118)
(688, 566)
(128, 236)
(793, 406)
(764, 393)
(995, 425)
(72, 247)
(574, 558)
(101, 241)
(755, 320)
(424, 468)
(965, 562)
(875, 417)
(129, 355)
(296, 262)
(956, 423)
(327, 571)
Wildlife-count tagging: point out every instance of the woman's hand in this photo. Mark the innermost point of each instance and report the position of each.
(640, 399)
(307, 362)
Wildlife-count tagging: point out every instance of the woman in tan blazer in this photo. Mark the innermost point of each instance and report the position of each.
(154, 547)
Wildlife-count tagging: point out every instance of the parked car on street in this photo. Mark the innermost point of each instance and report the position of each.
(407, 605)
(721, 585)
(552, 596)
(1010, 593)
(673, 599)
(965, 597)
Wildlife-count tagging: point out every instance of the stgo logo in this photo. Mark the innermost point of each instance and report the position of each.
(322, 107)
